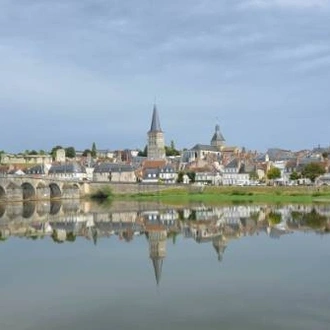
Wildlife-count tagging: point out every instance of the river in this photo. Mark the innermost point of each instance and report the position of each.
(76, 265)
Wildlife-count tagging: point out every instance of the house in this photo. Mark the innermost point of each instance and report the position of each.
(150, 170)
(67, 171)
(211, 178)
(323, 180)
(114, 172)
(235, 174)
(167, 174)
(40, 169)
(150, 175)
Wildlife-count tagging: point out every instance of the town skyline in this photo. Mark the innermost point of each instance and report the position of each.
(166, 142)
(77, 72)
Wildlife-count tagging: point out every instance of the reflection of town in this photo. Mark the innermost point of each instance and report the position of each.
(216, 226)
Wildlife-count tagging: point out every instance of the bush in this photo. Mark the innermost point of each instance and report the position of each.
(103, 193)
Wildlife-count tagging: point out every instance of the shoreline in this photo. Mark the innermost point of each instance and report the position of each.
(224, 194)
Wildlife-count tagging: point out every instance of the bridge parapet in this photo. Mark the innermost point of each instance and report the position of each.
(20, 187)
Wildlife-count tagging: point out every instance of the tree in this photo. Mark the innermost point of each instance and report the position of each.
(191, 176)
(274, 173)
(70, 152)
(86, 152)
(53, 151)
(143, 153)
(94, 150)
(312, 171)
(171, 151)
(254, 176)
(294, 176)
(180, 177)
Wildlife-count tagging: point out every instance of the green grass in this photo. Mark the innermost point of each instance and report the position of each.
(218, 195)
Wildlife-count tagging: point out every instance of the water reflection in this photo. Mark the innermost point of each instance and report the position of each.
(217, 226)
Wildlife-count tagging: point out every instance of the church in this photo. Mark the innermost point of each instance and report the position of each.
(156, 141)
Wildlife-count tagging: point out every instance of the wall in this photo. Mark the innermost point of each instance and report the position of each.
(130, 188)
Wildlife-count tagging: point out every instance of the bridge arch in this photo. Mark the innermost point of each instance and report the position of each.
(55, 207)
(28, 191)
(70, 190)
(14, 191)
(55, 191)
(2, 193)
(2, 210)
(28, 210)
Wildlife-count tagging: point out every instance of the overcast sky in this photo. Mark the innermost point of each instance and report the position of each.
(74, 72)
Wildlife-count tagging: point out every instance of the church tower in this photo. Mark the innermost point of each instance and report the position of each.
(217, 139)
(156, 143)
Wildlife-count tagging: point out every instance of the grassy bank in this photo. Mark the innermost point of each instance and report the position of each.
(216, 195)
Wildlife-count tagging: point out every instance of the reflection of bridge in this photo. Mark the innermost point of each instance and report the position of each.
(18, 188)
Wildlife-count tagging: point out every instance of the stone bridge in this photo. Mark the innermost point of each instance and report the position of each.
(22, 188)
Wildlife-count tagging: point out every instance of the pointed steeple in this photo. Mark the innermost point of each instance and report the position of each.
(155, 123)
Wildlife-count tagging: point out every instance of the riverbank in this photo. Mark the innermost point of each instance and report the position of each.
(221, 194)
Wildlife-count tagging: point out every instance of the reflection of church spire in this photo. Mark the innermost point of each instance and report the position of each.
(157, 236)
(158, 266)
(220, 246)
(95, 234)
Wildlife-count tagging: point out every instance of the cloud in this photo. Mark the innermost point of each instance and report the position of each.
(99, 62)
(314, 64)
(285, 3)
(301, 52)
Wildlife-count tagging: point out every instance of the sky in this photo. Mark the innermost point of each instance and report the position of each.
(74, 72)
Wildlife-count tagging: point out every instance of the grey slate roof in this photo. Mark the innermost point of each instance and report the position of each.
(279, 154)
(217, 136)
(67, 168)
(38, 169)
(151, 171)
(112, 167)
(207, 147)
(155, 123)
(233, 164)
(167, 169)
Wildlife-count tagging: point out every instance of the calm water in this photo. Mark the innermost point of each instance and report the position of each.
(78, 266)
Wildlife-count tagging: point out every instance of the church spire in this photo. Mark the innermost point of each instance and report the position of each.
(156, 142)
(155, 123)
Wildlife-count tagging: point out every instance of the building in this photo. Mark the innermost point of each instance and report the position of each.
(210, 151)
(217, 139)
(115, 172)
(8, 159)
(67, 171)
(167, 174)
(235, 174)
(156, 142)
